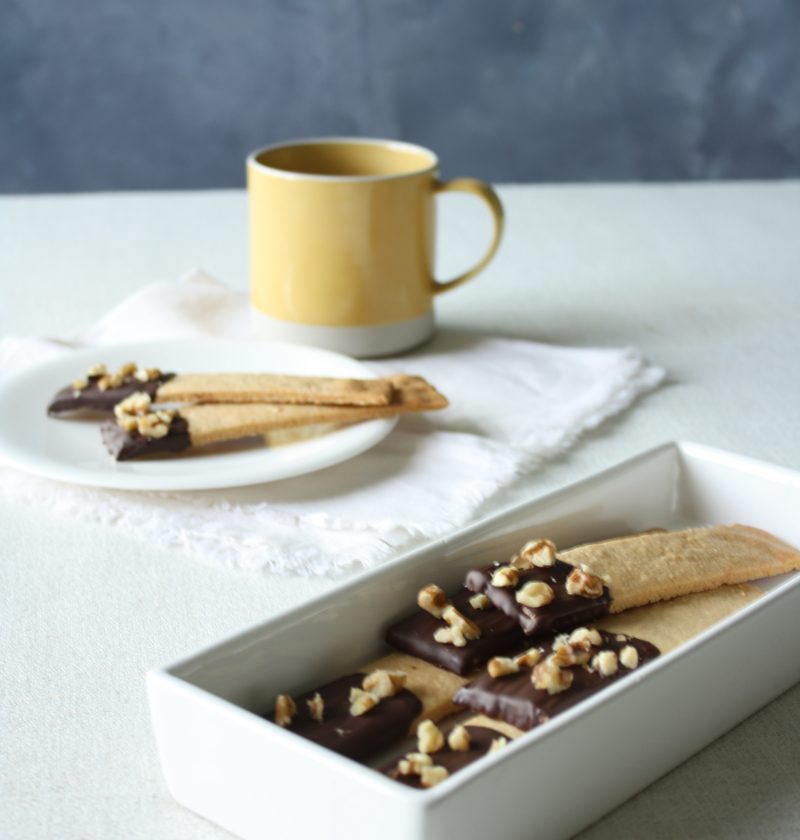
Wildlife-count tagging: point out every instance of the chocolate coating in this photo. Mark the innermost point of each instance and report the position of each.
(126, 445)
(480, 741)
(357, 737)
(414, 635)
(564, 612)
(515, 700)
(92, 398)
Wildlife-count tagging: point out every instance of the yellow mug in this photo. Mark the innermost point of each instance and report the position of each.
(342, 235)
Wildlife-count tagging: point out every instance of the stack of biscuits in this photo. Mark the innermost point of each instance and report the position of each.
(156, 413)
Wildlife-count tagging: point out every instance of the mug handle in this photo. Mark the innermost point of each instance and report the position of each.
(484, 192)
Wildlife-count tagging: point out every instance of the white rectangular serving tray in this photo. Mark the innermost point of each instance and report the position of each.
(224, 761)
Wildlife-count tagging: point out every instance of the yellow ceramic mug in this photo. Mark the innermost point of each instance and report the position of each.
(342, 242)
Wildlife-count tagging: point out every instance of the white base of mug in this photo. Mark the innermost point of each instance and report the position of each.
(362, 342)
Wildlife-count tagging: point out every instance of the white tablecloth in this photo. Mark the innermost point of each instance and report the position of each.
(704, 279)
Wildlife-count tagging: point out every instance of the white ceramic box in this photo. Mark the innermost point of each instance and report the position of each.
(228, 764)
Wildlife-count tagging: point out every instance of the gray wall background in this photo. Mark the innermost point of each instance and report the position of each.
(144, 94)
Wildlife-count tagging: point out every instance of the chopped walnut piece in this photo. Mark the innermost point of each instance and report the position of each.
(97, 370)
(449, 636)
(362, 701)
(137, 404)
(480, 601)
(606, 663)
(535, 593)
(585, 637)
(560, 640)
(570, 655)
(80, 384)
(104, 383)
(458, 739)
(141, 375)
(505, 576)
(127, 369)
(540, 553)
(432, 776)
(285, 709)
(548, 677)
(528, 658)
(629, 657)
(429, 737)
(458, 621)
(153, 373)
(432, 599)
(413, 764)
(316, 707)
(501, 666)
(584, 584)
(498, 744)
(384, 683)
(152, 426)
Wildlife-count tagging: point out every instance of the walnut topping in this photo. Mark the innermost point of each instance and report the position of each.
(629, 657)
(560, 640)
(432, 776)
(133, 414)
(429, 737)
(285, 710)
(505, 576)
(362, 701)
(152, 426)
(480, 601)
(316, 707)
(540, 553)
(498, 744)
(97, 370)
(585, 637)
(432, 599)
(127, 369)
(449, 636)
(458, 740)
(502, 666)
(571, 655)
(413, 764)
(584, 584)
(80, 384)
(548, 677)
(137, 404)
(384, 683)
(605, 662)
(528, 658)
(458, 621)
(104, 383)
(535, 593)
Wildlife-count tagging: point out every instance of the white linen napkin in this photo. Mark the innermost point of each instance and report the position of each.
(513, 403)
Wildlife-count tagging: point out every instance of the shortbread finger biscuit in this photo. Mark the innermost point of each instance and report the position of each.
(526, 692)
(433, 687)
(139, 430)
(669, 624)
(655, 567)
(273, 388)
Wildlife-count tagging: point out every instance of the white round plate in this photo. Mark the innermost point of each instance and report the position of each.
(71, 449)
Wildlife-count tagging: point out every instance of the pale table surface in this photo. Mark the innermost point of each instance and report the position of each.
(704, 279)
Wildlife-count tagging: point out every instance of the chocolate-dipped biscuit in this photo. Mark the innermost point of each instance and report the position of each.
(596, 663)
(563, 611)
(91, 397)
(328, 719)
(415, 635)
